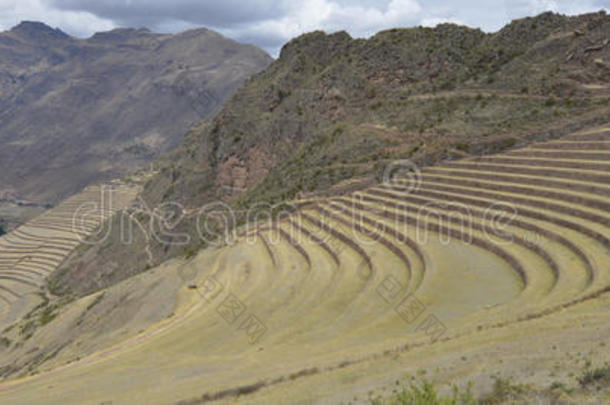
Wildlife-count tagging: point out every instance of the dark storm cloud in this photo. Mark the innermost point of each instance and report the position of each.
(202, 12)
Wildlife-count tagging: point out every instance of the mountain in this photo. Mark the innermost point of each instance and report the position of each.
(78, 111)
(332, 112)
(482, 278)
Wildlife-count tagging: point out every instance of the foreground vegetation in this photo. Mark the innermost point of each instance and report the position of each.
(504, 391)
(355, 289)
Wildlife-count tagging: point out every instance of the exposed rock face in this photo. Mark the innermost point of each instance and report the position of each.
(236, 175)
(332, 112)
(324, 83)
(73, 111)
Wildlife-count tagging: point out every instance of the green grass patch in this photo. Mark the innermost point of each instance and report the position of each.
(425, 393)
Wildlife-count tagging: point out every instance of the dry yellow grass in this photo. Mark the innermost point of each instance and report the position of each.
(350, 294)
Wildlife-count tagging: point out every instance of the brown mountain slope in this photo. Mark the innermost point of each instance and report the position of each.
(73, 112)
(333, 111)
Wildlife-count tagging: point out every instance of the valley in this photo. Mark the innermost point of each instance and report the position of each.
(421, 216)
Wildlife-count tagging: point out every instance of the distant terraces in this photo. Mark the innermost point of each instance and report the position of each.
(33, 251)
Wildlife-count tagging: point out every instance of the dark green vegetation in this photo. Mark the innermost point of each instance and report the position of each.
(503, 391)
(596, 377)
(332, 112)
(74, 111)
(2, 227)
(39, 316)
(425, 393)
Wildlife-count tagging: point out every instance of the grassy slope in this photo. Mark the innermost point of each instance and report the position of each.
(332, 112)
(331, 336)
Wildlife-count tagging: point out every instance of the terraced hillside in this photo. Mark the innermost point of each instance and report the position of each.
(33, 251)
(332, 111)
(466, 268)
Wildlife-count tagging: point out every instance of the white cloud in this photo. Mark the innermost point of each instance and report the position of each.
(202, 12)
(540, 6)
(327, 15)
(78, 23)
(434, 21)
(270, 23)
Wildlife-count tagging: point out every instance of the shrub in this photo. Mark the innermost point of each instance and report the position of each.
(96, 301)
(558, 386)
(47, 315)
(425, 393)
(597, 376)
(504, 390)
(5, 342)
(190, 251)
(463, 146)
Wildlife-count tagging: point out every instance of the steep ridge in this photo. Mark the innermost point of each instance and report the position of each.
(333, 112)
(356, 280)
(77, 111)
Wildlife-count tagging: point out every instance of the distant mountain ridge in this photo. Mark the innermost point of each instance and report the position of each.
(77, 111)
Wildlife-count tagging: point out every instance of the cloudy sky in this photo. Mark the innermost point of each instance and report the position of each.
(270, 23)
